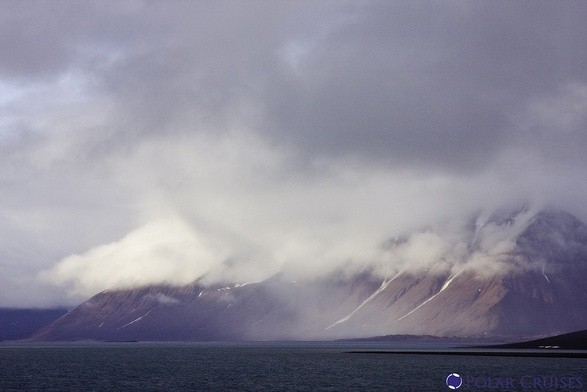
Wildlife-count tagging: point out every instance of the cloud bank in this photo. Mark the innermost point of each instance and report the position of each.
(150, 143)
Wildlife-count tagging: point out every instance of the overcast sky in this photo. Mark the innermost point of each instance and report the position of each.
(145, 142)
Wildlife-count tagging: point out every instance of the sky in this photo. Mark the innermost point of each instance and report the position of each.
(148, 142)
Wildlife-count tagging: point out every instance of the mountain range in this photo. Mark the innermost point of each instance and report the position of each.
(515, 275)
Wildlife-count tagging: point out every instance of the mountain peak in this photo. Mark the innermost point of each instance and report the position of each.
(554, 236)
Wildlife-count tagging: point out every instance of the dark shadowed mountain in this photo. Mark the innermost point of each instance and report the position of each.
(568, 341)
(21, 323)
(535, 286)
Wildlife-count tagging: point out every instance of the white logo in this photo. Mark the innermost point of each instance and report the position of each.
(454, 381)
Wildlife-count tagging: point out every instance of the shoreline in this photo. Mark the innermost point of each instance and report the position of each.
(537, 354)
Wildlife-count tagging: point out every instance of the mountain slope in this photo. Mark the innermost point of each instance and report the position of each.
(518, 276)
(258, 311)
(541, 289)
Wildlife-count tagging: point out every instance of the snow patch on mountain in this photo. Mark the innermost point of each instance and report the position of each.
(136, 320)
(444, 287)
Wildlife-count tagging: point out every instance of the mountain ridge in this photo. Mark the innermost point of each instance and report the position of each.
(521, 275)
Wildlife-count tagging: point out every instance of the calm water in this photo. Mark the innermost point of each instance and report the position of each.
(262, 367)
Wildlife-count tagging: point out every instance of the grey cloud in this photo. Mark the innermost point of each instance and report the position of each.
(278, 132)
(431, 83)
(41, 40)
(426, 84)
(204, 71)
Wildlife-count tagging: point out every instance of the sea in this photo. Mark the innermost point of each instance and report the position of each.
(270, 366)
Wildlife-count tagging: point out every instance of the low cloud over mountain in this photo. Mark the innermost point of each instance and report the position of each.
(530, 284)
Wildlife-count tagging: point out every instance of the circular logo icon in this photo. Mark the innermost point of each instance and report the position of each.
(454, 381)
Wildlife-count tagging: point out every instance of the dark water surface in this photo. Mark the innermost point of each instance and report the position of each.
(268, 367)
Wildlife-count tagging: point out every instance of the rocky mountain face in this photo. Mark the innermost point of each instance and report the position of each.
(273, 309)
(516, 276)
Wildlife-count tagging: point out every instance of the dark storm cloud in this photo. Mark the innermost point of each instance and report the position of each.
(207, 69)
(421, 84)
(429, 82)
(402, 83)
